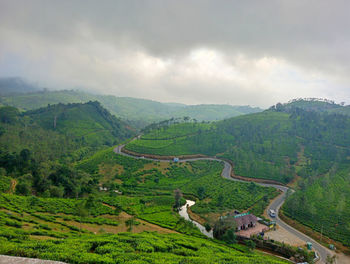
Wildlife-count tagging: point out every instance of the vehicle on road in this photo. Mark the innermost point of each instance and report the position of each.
(272, 213)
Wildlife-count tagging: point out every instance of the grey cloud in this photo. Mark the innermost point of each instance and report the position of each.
(312, 35)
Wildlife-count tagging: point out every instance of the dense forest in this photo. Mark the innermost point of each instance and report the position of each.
(279, 144)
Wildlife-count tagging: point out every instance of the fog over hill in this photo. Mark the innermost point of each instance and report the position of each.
(139, 112)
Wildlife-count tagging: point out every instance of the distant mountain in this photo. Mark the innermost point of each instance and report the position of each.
(215, 112)
(139, 112)
(16, 85)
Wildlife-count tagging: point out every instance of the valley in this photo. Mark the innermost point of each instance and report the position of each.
(137, 186)
(174, 132)
(276, 204)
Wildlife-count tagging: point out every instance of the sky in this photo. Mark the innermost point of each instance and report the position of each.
(187, 51)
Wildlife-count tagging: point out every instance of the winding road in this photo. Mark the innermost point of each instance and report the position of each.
(276, 204)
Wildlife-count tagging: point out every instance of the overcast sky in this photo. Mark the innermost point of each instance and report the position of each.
(236, 52)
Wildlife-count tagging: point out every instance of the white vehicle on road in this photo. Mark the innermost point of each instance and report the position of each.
(272, 213)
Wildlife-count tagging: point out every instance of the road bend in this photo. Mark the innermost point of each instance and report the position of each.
(276, 204)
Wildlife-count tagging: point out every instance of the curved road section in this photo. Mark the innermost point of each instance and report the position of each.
(321, 251)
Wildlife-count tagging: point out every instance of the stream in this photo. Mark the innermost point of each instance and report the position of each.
(183, 213)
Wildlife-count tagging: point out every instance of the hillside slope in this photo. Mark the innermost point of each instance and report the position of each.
(277, 144)
(60, 130)
(90, 122)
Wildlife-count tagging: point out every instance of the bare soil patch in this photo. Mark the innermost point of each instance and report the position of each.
(282, 235)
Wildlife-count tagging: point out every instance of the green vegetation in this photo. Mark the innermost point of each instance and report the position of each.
(90, 123)
(60, 130)
(201, 179)
(257, 144)
(264, 145)
(37, 147)
(61, 229)
(64, 193)
(64, 190)
(277, 144)
(325, 199)
(138, 112)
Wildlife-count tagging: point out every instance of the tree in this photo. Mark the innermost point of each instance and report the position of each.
(220, 200)
(25, 155)
(201, 192)
(90, 203)
(223, 229)
(130, 223)
(56, 191)
(229, 236)
(177, 196)
(252, 186)
(250, 244)
(207, 227)
(81, 212)
(23, 188)
(8, 115)
(219, 228)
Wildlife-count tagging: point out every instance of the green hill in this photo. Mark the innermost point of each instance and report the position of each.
(263, 145)
(89, 122)
(38, 154)
(139, 112)
(312, 104)
(78, 126)
(277, 144)
(317, 105)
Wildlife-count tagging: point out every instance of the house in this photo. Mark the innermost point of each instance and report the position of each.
(245, 221)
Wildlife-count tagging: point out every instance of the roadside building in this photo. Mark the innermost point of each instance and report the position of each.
(245, 221)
